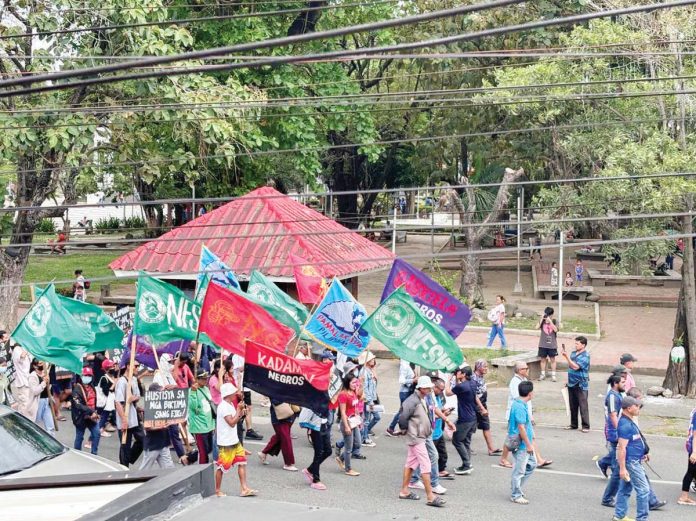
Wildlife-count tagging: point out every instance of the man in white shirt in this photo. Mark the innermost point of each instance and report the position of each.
(230, 450)
(21, 359)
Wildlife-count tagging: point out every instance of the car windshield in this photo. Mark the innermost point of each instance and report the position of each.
(24, 444)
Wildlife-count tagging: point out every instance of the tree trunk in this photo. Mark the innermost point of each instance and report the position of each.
(681, 378)
(470, 286)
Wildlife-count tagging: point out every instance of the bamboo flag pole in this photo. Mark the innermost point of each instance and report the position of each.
(129, 393)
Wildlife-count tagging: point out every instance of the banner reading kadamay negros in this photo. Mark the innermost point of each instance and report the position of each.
(399, 324)
(437, 304)
(287, 379)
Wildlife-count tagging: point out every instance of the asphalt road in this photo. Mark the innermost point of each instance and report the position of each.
(570, 489)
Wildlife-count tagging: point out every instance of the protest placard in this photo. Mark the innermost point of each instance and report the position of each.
(166, 407)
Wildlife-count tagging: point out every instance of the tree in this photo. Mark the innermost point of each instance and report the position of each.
(474, 232)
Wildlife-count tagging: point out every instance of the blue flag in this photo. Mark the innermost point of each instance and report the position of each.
(220, 272)
(336, 322)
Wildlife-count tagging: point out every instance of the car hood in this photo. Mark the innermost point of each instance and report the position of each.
(70, 462)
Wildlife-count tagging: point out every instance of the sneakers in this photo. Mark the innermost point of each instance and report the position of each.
(624, 518)
(542, 377)
(358, 456)
(109, 428)
(251, 434)
(369, 443)
(290, 468)
(609, 504)
(553, 377)
(658, 505)
(418, 485)
(463, 471)
(440, 489)
(520, 500)
(105, 434)
(602, 470)
(318, 486)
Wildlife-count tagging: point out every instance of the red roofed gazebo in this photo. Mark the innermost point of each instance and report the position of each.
(258, 231)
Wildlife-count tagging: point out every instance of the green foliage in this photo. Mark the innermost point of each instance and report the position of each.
(133, 224)
(107, 225)
(46, 226)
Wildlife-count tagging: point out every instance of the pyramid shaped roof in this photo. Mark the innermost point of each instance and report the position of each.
(258, 231)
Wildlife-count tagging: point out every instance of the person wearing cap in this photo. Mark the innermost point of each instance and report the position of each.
(520, 426)
(230, 450)
(156, 453)
(84, 410)
(578, 383)
(368, 376)
(627, 360)
(465, 391)
(201, 422)
(105, 397)
(612, 412)
(416, 423)
(631, 450)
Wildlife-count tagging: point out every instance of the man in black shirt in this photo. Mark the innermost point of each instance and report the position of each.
(465, 390)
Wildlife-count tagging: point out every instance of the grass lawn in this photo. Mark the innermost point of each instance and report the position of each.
(570, 325)
(45, 268)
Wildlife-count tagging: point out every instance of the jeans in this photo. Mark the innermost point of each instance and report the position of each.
(497, 330)
(45, 416)
(639, 481)
(351, 443)
(106, 416)
(441, 447)
(175, 438)
(522, 468)
(402, 397)
(93, 428)
(577, 399)
(613, 486)
(434, 473)
(321, 443)
(462, 441)
(371, 419)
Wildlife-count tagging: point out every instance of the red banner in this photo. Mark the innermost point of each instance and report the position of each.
(286, 370)
(311, 286)
(230, 320)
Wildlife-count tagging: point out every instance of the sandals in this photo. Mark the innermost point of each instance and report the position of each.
(687, 502)
(248, 493)
(446, 475)
(411, 495)
(263, 457)
(545, 463)
(495, 452)
(437, 502)
(505, 464)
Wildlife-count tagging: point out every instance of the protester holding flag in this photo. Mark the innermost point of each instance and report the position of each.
(230, 450)
(351, 422)
(38, 405)
(84, 411)
(127, 417)
(282, 418)
(200, 416)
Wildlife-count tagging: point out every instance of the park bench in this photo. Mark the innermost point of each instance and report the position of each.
(506, 365)
(569, 292)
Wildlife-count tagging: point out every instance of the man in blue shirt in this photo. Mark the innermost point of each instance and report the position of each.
(630, 452)
(520, 425)
(612, 412)
(578, 383)
(465, 390)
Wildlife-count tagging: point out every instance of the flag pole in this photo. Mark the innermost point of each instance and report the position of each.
(129, 392)
(50, 399)
(309, 317)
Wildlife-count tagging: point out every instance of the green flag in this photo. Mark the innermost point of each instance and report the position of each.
(263, 289)
(107, 334)
(400, 325)
(163, 312)
(50, 333)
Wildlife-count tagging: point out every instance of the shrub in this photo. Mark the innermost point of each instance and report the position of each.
(46, 226)
(109, 225)
(134, 223)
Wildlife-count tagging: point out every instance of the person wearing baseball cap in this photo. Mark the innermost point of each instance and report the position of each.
(230, 450)
(627, 360)
(630, 452)
(105, 394)
(201, 421)
(416, 423)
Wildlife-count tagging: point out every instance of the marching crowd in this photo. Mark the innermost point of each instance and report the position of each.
(220, 417)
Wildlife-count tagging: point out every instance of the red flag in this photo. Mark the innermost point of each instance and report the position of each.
(311, 286)
(230, 320)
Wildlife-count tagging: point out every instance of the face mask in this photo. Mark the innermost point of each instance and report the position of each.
(86, 380)
(3, 369)
(112, 372)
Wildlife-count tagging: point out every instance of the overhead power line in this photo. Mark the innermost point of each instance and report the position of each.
(186, 21)
(213, 200)
(265, 44)
(291, 59)
(387, 257)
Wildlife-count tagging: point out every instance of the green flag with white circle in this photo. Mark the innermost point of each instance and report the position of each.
(403, 329)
